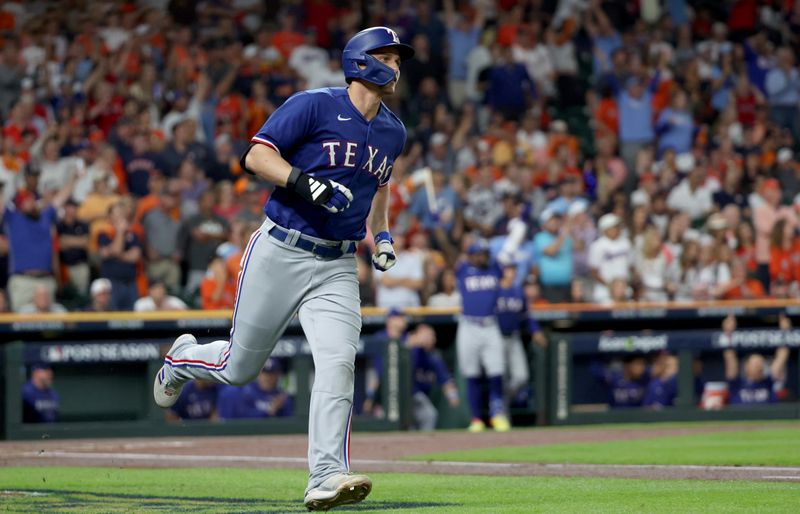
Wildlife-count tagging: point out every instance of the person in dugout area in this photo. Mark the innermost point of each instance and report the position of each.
(427, 368)
(198, 400)
(626, 386)
(479, 343)
(40, 402)
(757, 382)
(514, 319)
(262, 398)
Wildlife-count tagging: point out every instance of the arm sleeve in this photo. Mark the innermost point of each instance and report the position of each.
(289, 125)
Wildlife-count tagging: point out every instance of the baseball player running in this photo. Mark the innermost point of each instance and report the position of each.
(331, 152)
(479, 343)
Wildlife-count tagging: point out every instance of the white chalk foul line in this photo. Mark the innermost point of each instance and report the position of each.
(792, 473)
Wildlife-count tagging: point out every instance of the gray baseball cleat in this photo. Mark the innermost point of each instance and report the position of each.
(166, 393)
(339, 489)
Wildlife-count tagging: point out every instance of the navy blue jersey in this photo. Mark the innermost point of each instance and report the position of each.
(743, 391)
(479, 288)
(428, 368)
(661, 393)
(229, 402)
(196, 403)
(257, 403)
(621, 391)
(512, 311)
(39, 406)
(321, 132)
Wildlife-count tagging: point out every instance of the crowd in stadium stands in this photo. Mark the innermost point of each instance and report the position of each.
(650, 147)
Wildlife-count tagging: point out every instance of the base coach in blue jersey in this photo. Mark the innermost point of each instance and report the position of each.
(330, 152)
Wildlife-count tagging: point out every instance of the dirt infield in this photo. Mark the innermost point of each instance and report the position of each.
(377, 452)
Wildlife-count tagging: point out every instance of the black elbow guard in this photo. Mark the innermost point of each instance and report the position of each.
(243, 158)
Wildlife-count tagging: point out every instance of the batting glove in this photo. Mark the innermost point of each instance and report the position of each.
(384, 257)
(319, 191)
(340, 199)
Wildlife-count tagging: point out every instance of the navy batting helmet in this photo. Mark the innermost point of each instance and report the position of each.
(356, 55)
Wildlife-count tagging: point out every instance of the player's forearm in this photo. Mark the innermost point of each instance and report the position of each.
(266, 163)
(379, 214)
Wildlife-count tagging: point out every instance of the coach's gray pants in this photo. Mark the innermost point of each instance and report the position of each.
(277, 281)
(480, 345)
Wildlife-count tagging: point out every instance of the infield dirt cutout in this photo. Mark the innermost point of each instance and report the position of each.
(383, 452)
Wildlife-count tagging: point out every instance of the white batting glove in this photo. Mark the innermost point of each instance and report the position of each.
(339, 200)
(384, 257)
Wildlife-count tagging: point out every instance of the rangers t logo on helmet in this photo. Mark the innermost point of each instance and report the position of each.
(358, 64)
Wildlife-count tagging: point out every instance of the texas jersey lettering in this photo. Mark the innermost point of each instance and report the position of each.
(323, 134)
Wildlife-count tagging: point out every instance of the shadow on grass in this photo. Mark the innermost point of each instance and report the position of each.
(37, 500)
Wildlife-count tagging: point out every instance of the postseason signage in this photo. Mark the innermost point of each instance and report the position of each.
(648, 341)
(754, 339)
(70, 352)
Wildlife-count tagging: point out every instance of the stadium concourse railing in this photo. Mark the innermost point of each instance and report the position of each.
(104, 364)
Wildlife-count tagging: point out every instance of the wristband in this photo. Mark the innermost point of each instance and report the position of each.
(383, 236)
(291, 181)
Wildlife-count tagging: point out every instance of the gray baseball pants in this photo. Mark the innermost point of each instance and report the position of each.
(276, 282)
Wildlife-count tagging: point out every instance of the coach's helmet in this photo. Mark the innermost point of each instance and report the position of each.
(357, 50)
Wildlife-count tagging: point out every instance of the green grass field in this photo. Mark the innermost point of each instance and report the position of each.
(266, 491)
(770, 447)
(111, 490)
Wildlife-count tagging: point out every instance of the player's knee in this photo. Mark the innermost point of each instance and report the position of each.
(243, 377)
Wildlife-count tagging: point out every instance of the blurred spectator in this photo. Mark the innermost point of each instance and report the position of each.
(783, 91)
(553, 257)
(788, 174)
(714, 276)
(158, 300)
(764, 218)
(227, 206)
(198, 239)
(29, 225)
(120, 250)
(609, 257)
(183, 146)
(635, 118)
(218, 289)
(692, 195)
(510, 90)
(40, 402)
(742, 286)
(463, 31)
(752, 385)
(73, 245)
(98, 201)
(447, 295)
(651, 262)
(583, 232)
(784, 261)
(101, 295)
(161, 226)
(42, 302)
(399, 287)
(198, 400)
(675, 126)
(140, 163)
